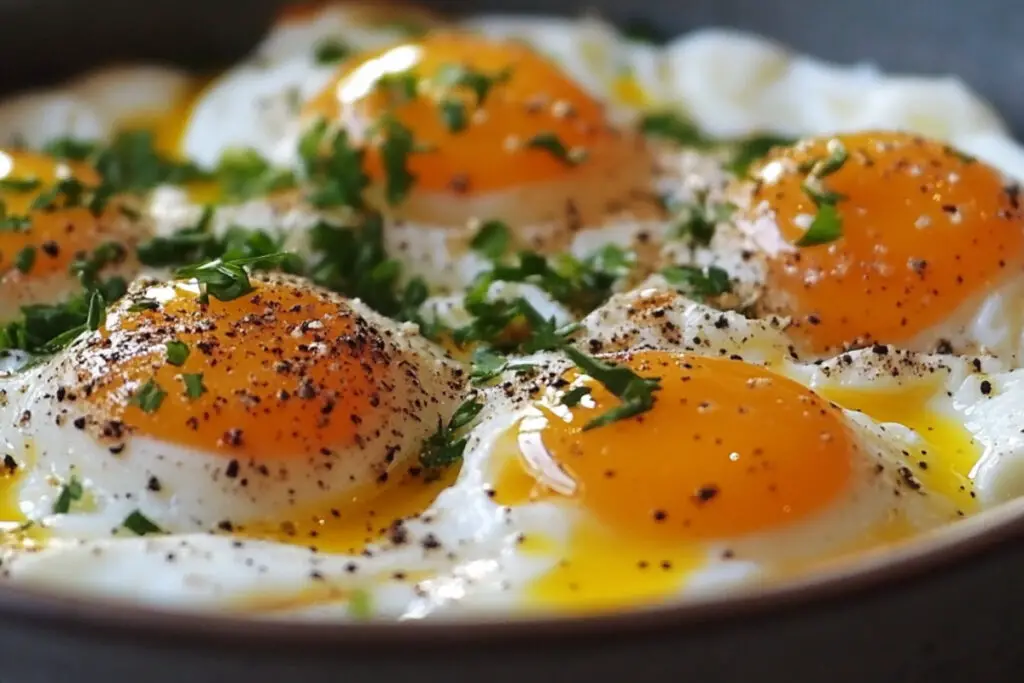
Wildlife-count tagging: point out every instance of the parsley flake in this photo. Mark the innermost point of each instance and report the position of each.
(453, 114)
(444, 447)
(826, 227)
(25, 259)
(140, 525)
(69, 493)
(573, 397)
(480, 83)
(397, 145)
(149, 397)
(177, 352)
(492, 239)
(330, 50)
(635, 392)
(20, 184)
(553, 145)
(703, 283)
(194, 387)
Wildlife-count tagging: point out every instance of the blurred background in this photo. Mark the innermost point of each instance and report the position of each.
(979, 40)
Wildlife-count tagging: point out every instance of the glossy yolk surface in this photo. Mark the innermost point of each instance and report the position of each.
(924, 229)
(287, 373)
(531, 98)
(728, 449)
(50, 239)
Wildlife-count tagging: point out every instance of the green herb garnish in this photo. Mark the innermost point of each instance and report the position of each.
(244, 174)
(492, 239)
(552, 144)
(746, 152)
(330, 51)
(333, 167)
(635, 392)
(140, 525)
(444, 447)
(699, 282)
(673, 127)
(194, 387)
(827, 226)
(25, 259)
(69, 493)
(20, 184)
(458, 76)
(573, 397)
(226, 280)
(177, 352)
(149, 397)
(397, 145)
(453, 114)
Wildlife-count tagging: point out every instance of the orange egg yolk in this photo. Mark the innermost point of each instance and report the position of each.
(286, 373)
(924, 229)
(528, 100)
(42, 242)
(728, 449)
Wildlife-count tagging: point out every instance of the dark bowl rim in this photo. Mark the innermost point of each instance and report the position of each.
(944, 549)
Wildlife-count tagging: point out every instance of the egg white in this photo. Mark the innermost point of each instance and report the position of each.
(92, 107)
(195, 493)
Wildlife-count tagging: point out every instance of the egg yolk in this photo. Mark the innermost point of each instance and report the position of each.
(728, 449)
(485, 115)
(280, 373)
(38, 242)
(912, 230)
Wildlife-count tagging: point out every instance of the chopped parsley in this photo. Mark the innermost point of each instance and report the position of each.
(46, 328)
(244, 173)
(746, 152)
(194, 387)
(397, 145)
(177, 352)
(96, 315)
(673, 127)
(702, 283)
(330, 50)
(445, 447)
(573, 397)
(20, 184)
(635, 392)
(227, 280)
(333, 167)
(453, 114)
(827, 224)
(25, 259)
(149, 397)
(70, 493)
(698, 221)
(140, 525)
(398, 87)
(450, 76)
(130, 163)
(553, 145)
(492, 239)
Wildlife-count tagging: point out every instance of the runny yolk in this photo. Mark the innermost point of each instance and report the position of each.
(924, 229)
(528, 108)
(728, 449)
(286, 373)
(944, 461)
(41, 242)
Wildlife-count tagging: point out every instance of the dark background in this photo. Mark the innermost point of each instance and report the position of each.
(980, 40)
